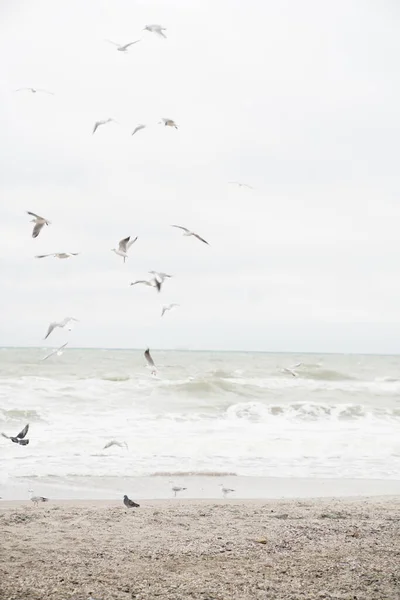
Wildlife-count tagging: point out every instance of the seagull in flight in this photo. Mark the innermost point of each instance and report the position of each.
(168, 307)
(123, 247)
(188, 233)
(123, 48)
(34, 90)
(168, 123)
(104, 122)
(241, 184)
(291, 369)
(58, 351)
(19, 438)
(138, 128)
(156, 29)
(160, 275)
(151, 283)
(150, 361)
(115, 443)
(55, 324)
(58, 255)
(39, 222)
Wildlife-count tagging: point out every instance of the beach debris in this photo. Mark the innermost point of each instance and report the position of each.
(189, 233)
(130, 503)
(39, 222)
(225, 490)
(115, 443)
(261, 541)
(61, 324)
(19, 438)
(37, 499)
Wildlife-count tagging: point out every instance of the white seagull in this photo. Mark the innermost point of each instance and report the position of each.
(58, 351)
(291, 369)
(160, 275)
(151, 283)
(123, 47)
(168, 123)
(150, 362)
(168, 307)
(37, 499)
(155, 29)
(225, 490)
(34, 90)
(39, 222)
(115, 443)
(61, 324)
(58, 255)
(104, 122)
(138, 128)
(123, 247)
(188, 233)
(239, 184)
(176, 488)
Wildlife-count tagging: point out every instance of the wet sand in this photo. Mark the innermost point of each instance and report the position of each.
(337, 549)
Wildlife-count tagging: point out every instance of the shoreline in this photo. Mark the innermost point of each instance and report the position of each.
(204, 487)
(308, 549)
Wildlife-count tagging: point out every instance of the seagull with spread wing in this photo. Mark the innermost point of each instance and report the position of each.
(39, 222)
(19, 438)
(150, 361)
(104, 122)
(155, 29)
(58, 255)
(168, 123)
(138, 128)
(123, 247)
(58, 351)
(189, 233)
(168, 307)
(61, 324)
(123, 47)
(150, 282)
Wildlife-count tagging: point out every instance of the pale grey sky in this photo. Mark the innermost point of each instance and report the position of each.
(298, 99)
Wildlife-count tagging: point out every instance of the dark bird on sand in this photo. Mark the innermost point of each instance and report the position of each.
(130, 503)
(19, 439)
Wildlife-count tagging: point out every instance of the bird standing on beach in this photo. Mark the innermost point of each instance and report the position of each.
(225, 490)
(39, 222)
(123, 247)
(176, 488)
(37, 499)
(187, 232)
(19, 438)
(130, 503)
(61, 324)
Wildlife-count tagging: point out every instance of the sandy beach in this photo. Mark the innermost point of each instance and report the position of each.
(347, 549)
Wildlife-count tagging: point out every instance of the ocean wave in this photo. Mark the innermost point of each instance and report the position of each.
(16, 415)
(307, 411)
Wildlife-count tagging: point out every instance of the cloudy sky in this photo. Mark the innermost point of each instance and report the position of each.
(298, 99)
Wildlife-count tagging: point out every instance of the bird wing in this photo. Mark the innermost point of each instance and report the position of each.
(50, 329)
(45, 91)
(96, 125)
(23, 433)
(164, 310)
(42, 255)
(37, 229)
(138, 128)
(123, 244)
(55, 351)
(114, 43)
(129, 244)
(130, 44)
(139, 281)
(201, 239)
(147, 356)
(34, 215)
(3, 434)
(157, 284)
(159, 31)
(180, 227)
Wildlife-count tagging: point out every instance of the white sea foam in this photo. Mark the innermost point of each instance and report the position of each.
(206, 413)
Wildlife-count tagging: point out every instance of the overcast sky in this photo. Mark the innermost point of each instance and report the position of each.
(298, 99)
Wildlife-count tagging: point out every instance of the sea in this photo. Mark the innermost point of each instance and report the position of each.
(214, 414)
